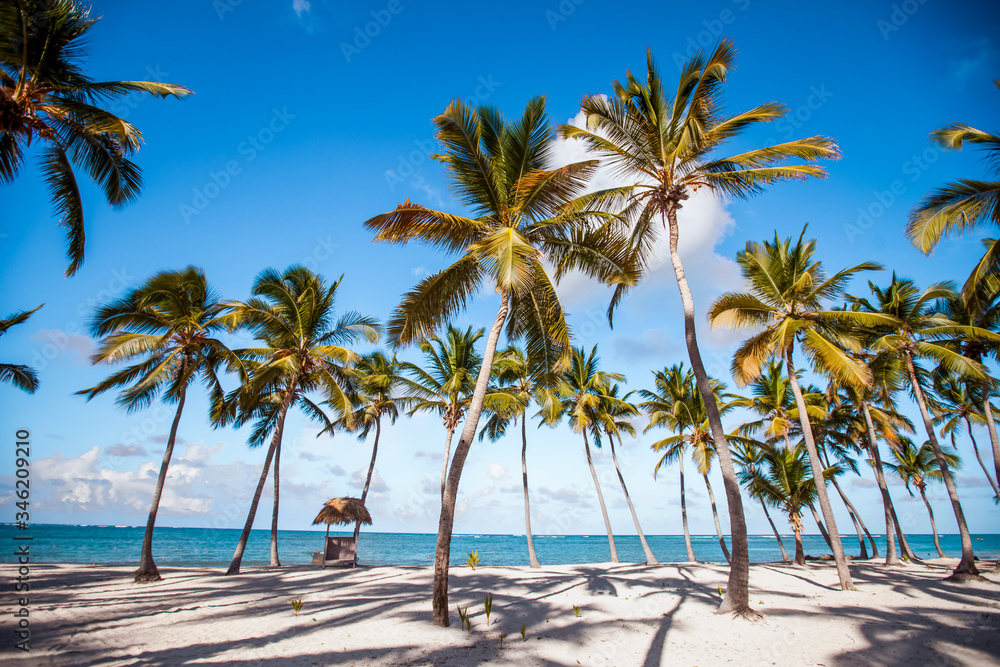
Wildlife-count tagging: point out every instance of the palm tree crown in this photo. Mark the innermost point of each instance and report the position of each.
(19, 375)
(45, 95)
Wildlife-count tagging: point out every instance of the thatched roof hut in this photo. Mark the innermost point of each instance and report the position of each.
(343, 510)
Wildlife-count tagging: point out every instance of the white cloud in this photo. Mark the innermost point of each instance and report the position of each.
(497, 471)
(378, 484)
(125, 450)
(301, 7)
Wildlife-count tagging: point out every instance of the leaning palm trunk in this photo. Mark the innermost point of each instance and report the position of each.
(147, 567)
(274, 510)
(975, 448)
(859, 524)
(890, 544)
(904, 546)
(684, 514)
(930, 513)
(784, 554)
(442, 552)
(650, 558)
(368, 481)
(532, 557)
(822, 528)
(966, 569)
(234, 566)
(715, 516)
(737, 596)
(600, 499)
(992, 428)
(843, 572)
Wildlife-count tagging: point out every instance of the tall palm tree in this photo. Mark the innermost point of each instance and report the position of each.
(167, 326)
(45, 96)
(955, 404)
(19, 375)
(668, 148)
(447, 381)
(522, 214)
(582, 391)
(787, 293)
(672, 405)
(303, 350)
(962, 205)
(519, 383)
(918, 466)
(614, 414)
(787, 484)
(377, 391)
(918, 333)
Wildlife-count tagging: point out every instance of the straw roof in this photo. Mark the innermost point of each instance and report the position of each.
(343, 510)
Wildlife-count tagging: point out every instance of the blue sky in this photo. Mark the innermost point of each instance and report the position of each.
(302, 126)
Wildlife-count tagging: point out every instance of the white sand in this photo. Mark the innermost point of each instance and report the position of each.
(630, 615)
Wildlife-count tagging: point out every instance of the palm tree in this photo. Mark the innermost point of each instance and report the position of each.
(292, 314)
(522, 214)
(45, 95)
(519, 382)
(666, 147)
(788, 485)
(918, 466)
(167, 326)
(22, 377)
(786, 296)
(981, 309)
(672, 405)
(955, 404)
(917, 333)
(614, 414)
(447, 382)
(962, 205)
(750, 458)
(582, 390)
(377, 384)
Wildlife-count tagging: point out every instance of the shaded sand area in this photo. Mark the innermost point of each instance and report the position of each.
(629, 615)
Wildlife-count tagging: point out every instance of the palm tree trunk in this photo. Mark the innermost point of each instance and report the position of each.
(992, 428)
(796, 523)
(442, 552)
(904, 546)
(967, 566)
(715, 515)
(274, 510)
(684, 514)
(368, 481)
(843, 572)
(975, 448)
(234, 566)
(930, 513)
(737, 596)
(147, 567)
(784, 554)
(890, 543)
(532, 557)
(444, 462)
(859, 525)
(822, 528)
(650, 558)
(600, 498)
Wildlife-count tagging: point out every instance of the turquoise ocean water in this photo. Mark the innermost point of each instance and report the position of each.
(213, 548)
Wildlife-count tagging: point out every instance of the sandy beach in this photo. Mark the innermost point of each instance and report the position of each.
(628, 615)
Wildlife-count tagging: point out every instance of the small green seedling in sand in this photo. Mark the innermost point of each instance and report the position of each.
(463, 614)
(473, 558)
(488, 603)
(720, 591)
(576, 610)
(502, 635)
(296, 604)
(523, 638)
